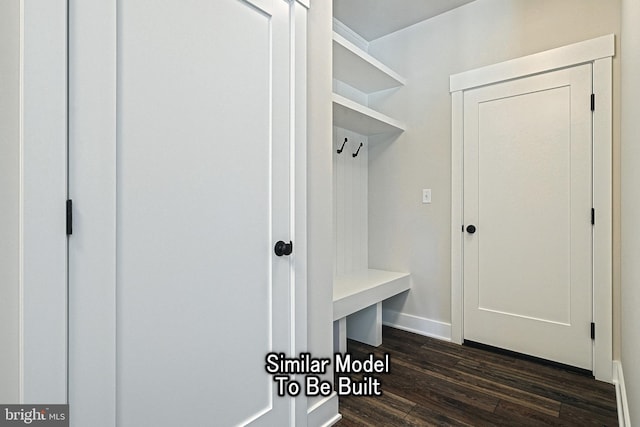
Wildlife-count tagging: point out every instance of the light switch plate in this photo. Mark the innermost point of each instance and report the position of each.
(426, 195)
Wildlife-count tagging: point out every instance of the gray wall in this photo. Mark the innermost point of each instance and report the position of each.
(10, 197)
(404, 234)
(631, 203)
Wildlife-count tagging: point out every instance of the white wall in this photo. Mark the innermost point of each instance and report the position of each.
(10, 205)
(404, 234)
(631, 203)
(319, 184)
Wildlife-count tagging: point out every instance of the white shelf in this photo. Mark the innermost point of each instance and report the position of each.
(357, 68)
(350, 115)
(355, 291)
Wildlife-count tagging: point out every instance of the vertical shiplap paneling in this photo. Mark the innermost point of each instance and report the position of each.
(352, 214)
(339, 204)
(363, 197)
(336, 145)
(347, 200)
(350, 192)
(354, 165)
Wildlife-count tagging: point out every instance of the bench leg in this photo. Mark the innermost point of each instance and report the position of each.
(340, 335)
(366, 325)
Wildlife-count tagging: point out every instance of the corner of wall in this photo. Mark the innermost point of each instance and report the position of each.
(319, 202)
(417, 325)
(630, 203)
(624, 419)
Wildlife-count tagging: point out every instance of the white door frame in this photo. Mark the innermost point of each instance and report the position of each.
(599, 52)
(92, 165)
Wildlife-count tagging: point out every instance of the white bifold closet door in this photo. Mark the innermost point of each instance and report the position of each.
(528, 193)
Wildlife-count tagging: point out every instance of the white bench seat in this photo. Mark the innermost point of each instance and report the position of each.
(357, 304)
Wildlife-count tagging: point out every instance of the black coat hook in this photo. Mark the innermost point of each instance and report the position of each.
(356, 153)
(342, 148)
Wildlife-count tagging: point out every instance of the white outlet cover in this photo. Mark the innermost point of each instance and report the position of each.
(426, 195)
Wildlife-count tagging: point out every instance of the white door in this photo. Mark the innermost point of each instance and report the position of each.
(527, 192)
(203, 193)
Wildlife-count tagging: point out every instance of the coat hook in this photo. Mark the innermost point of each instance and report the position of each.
(342, 148)
(356, 153)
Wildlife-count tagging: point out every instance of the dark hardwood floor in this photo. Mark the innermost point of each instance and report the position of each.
(438, 383)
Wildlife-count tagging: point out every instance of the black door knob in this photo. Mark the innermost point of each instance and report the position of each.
(282, 248)
(471, 229)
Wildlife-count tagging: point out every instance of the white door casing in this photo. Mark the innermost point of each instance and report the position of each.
(527, 190)
(597, 52)
(202, 166)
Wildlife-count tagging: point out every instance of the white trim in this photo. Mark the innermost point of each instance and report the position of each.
(324, 413)
(624, 419)
(565, 56)
(603, 228)
(21, 212)
(417, 325)
(346, 32)
(298, 85)
(457, 171)
(599, 52)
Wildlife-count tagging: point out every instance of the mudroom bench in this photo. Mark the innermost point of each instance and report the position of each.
(357, 305)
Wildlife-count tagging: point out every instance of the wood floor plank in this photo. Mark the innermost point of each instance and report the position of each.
(473, 382)
(585, 417)
(524, 416)
(459, 412)
(433, 382)
(412, 381)
(411, 373)
(556, 391)
(580, 388)
(421, 416)
(418, 376)
(388, 409)
(487, 385)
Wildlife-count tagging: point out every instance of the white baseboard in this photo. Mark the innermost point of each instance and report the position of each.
(324, 413)
(621, 395)
(417, 325)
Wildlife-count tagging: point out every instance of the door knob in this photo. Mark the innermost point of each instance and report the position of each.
(471, 229)
(282, 248)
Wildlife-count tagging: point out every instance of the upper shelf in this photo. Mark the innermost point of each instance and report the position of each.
(363, 120)
(357, 68)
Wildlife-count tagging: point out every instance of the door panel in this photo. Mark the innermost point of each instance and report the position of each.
(527, 269)
(202, 194)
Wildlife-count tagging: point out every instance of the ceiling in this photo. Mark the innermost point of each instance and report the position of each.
(375, 18)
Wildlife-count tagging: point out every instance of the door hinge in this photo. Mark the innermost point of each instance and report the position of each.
(593, 102)
(593, 331)
(69, 217)
(593, 216)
